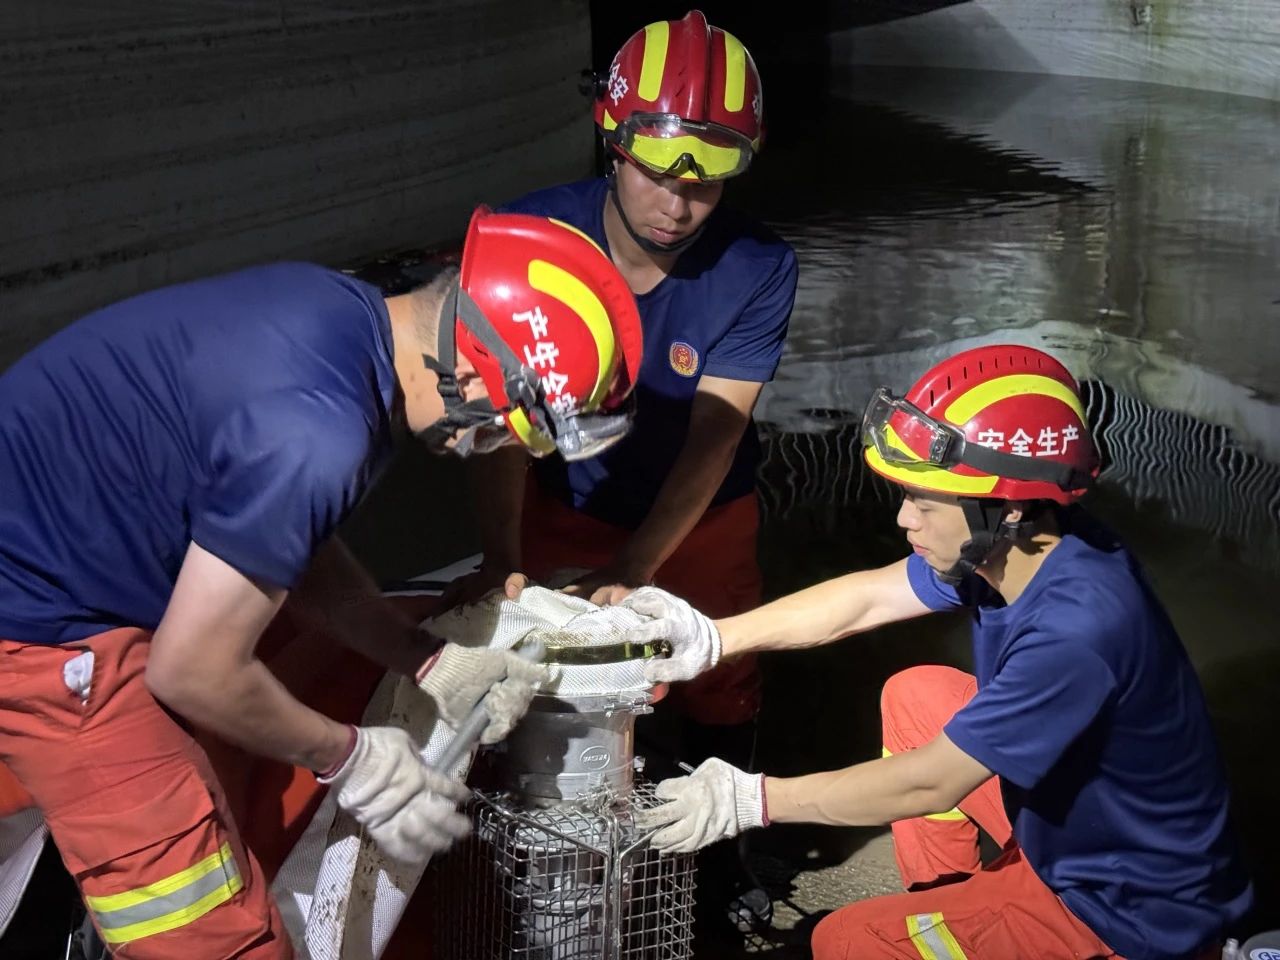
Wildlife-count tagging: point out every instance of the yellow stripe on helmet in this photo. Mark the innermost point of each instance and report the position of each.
(654, 64)
(577, 296)
(962, 409)
(735, 73)
(529, 435)
(926, 475)
(570, 226)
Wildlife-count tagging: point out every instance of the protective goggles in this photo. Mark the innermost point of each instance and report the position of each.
(529, 417)
(672, 146)
(897, 428)
(582, 436)
(540, 428)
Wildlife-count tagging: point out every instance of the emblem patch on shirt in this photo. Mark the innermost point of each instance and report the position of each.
(683, 358)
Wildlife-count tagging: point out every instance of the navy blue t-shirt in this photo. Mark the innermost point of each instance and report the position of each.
(1090, 712)
(247, 412)
(722, 312)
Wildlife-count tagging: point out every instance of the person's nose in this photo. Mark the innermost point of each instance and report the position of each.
(675, 200)
(908, 516)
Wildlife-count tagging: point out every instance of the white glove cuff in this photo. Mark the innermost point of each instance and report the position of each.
(451, 671)
(714, 634)
(748, 798)
(329, 776)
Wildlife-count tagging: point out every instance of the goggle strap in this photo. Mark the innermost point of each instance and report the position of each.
(519, 382)
(975, 455)
(1014, 467)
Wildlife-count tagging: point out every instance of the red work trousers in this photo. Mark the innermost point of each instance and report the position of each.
(1000, 912)
(133, 804)
(715, 569)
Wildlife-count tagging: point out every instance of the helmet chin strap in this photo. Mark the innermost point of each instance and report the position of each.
(988, 530)
(459, 414)
(650, 246)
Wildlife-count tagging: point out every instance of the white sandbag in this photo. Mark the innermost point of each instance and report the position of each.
(22, 837)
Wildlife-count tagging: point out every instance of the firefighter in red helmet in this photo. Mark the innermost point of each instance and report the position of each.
(680, 111)
(1081, 743)
(174, 469)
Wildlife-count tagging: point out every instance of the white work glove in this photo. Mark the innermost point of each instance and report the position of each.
(695, 642)
(457, 678)
(407, 808)
(715, 801)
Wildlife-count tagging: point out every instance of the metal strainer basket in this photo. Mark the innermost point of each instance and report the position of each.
(570, 882)
(555, 868)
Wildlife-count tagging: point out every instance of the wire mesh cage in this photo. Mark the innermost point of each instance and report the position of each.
(574, 881)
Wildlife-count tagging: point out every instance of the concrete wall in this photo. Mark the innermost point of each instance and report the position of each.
(147, 142)
(1231, 46)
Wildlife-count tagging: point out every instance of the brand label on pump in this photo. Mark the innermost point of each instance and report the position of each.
(597, 758)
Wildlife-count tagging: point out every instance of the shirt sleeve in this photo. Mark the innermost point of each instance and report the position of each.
(752, 347)
(1048, 691)
(931, 591)
(283, 475)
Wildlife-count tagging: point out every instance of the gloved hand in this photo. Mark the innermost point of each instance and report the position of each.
(695, 642)
(715, 801)
(407, 807)
(457, 678)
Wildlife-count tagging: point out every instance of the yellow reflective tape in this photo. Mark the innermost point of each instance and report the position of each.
(663, 152)
(735, 73)
(955, 813)
(529, 435)
(951, 942)
(926, 475)
(609, 122)
(577, 296)
(932, 939)
(962, 409)
(922, 946)
(131, 898)
(570, 226)
(179, 918)
(655, 60)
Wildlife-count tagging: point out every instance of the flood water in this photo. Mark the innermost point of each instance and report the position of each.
(1131, 230)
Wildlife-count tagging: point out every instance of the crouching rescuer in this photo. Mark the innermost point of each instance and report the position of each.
(1081, 744)
(174, 467)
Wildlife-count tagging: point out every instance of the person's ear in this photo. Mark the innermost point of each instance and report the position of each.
(470, 383)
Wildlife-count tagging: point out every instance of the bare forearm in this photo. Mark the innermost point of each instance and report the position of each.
(247, 706)
(867, 794)
(683, 499)
(822, 613)
(496, 483)
(338, 597)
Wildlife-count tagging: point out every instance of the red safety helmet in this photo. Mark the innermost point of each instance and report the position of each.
(1000, 422)
(553, 330)
(683, 98)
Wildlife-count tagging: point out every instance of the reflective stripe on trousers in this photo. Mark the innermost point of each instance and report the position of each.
(932, 939)
(132, 803)
(170, 903)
